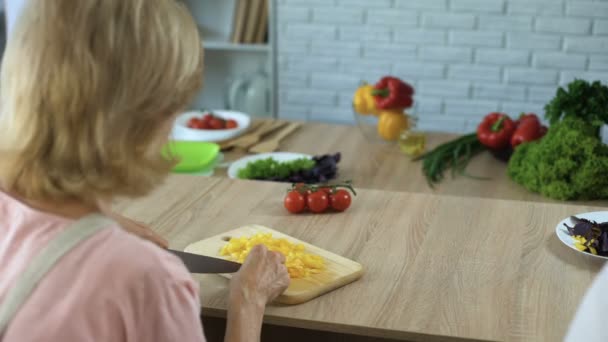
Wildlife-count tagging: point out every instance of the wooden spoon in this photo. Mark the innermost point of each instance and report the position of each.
(252, 139)
(253, 136)
(229, 144)
(273, 143)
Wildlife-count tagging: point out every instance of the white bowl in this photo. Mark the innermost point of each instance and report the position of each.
(562, 232)
(181, 131)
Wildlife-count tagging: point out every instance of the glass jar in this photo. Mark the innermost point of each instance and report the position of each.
(412, 142)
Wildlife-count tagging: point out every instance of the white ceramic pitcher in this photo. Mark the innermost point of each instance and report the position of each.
(250, 94)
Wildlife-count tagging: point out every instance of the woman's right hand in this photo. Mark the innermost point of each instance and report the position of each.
(262, 278)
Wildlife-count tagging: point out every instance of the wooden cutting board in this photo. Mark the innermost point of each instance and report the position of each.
(339, 271)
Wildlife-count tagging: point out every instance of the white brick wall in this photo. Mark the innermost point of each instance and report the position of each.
(464, 57)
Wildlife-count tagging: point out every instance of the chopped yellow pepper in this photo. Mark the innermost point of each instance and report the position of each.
(580, 243)
(299, 263)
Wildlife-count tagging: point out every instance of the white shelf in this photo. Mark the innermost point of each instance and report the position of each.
(226, 61)
(214, 40)
(228, 46)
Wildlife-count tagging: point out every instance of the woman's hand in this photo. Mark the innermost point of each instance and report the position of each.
(262, 278)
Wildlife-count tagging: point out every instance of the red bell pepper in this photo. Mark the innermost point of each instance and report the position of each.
(529, 129)
(496, 130)
(524, 117)
(392, 93)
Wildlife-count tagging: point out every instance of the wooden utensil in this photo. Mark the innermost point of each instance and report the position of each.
(228, 144)
(253, 136)
(273, 143)
(338, 272)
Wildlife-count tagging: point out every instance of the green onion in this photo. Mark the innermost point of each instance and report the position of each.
(454, 154)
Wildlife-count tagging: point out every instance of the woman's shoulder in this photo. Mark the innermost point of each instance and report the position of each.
(155, 294)
(138, 289)
(134, 264)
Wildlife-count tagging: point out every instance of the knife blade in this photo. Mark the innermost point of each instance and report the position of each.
(204, 264)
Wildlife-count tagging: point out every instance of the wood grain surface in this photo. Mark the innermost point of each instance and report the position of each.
(438, 268)
(382, 166)
(338, 271)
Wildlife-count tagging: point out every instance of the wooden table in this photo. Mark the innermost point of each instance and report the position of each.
(382, 166)
(438, 268)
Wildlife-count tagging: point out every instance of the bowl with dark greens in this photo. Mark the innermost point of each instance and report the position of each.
(586, 233)
(286, 167)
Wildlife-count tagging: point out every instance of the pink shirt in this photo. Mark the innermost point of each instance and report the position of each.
(112, 287)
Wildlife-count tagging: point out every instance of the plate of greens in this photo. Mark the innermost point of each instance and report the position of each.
(586, 233)
(286, 167)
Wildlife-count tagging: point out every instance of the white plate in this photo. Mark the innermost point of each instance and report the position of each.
(562, 232)
(234, 168)
(181, 131)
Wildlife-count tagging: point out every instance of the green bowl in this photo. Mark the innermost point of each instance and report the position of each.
(193, 156)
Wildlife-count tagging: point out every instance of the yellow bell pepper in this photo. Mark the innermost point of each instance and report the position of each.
(364, 102)
(392, 123)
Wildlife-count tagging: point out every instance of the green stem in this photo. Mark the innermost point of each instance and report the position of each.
(497, 126)
(315, 187)
(381, 92)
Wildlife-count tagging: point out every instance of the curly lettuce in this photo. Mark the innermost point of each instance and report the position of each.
(580, 99)
(569, 163)
(271, 169)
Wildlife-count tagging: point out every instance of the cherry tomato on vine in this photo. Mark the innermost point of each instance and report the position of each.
(303, 189)
(317, 201)
(326, 189)
(340, 200)
(294, 202)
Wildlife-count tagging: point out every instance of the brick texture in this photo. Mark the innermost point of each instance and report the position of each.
(464, 57)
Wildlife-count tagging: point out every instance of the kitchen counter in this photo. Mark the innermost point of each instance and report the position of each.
(383, 167)
(437, 268)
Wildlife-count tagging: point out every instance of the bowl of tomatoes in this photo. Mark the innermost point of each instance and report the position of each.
(212, 126)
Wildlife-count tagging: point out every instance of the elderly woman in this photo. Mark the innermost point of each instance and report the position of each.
(89, 90)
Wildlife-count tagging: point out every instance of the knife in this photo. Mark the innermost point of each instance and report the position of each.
(203, 264)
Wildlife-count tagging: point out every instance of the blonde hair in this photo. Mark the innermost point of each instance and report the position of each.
(87, 90)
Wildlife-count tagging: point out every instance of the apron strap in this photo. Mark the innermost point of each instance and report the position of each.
(44, 261)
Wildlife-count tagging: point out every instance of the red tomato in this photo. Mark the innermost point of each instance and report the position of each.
(317, 201)
(301, 188)
(340, 201)
(208, 117)
(294, 202)
(193, 122)
(199, 124)
(326, 190)
(204, 125)
(231, 124)
(216, 123)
